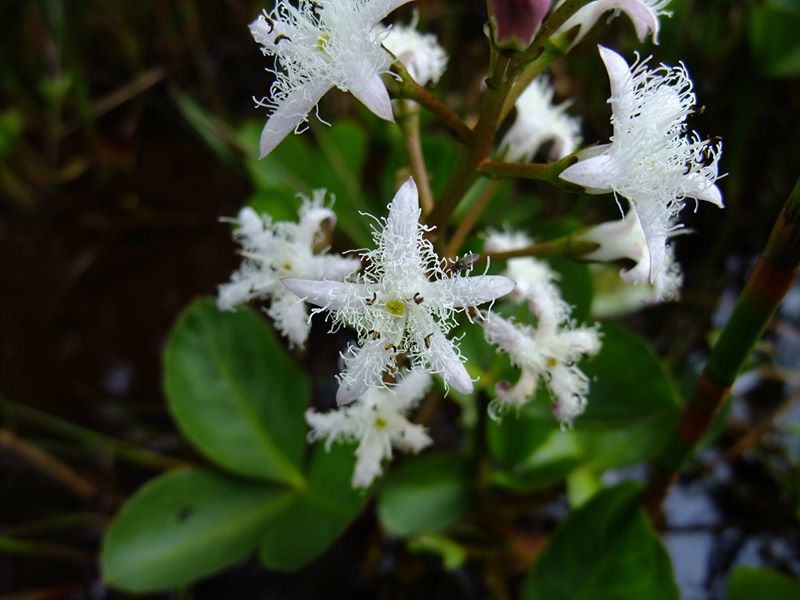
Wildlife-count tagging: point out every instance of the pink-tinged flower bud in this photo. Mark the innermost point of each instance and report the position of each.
(515, 22)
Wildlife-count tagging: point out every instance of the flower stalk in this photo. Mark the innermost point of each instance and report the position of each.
(409, 89)
(548, 172)
(569, 246)
(408, 119)
(766, 287)
(499, 85)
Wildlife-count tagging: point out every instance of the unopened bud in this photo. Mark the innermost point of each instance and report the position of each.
(515, 22)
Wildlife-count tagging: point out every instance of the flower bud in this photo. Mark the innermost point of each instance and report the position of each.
(515, 22)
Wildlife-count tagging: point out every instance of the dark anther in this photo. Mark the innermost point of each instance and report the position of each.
(389, 346)
(375, 335)
(427, 340)
(271, 24)
(418, 298)
(371, 301)
(280, 37)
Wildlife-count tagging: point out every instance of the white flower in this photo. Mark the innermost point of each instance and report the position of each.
(548, 352)
(642, 13)
(650, 160)
(377, 420)
(624, 238)
(534, 279)
(540, 121)
(318, 45)
(272, 251)
(420, 53)
(405, 302)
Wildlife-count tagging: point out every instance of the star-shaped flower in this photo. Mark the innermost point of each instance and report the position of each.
(547, 352)
(650, 161)
(539, 121)
(377, 420)
(272, 251)
(642, 13)
(405, 302)
(420, 53)
(318, 45)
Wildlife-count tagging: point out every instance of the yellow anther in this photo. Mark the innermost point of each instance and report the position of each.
(551, 363)
(380, 423)
(322, 41)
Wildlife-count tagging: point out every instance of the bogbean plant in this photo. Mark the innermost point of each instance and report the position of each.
(503, 329)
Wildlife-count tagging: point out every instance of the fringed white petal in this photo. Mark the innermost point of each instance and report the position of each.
(289, 114)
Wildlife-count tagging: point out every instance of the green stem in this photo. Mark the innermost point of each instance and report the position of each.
(766, 287)
(466, 171)
(548, 172)
(528, 73)
(469, 220)
(408, 119)
(568, 246)
(499, 86)
(125, 450)
(410, 90)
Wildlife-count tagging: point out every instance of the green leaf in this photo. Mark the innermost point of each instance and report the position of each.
(332, 158)
(747, 583)
(185, 525)
(605, 550)
(633, 405)
(773, 35)
(307, 526)
(632, 408)
(235, 394)
(453, 554)
(426, 494)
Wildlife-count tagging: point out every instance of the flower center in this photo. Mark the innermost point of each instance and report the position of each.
(380, 423)
(395, 307)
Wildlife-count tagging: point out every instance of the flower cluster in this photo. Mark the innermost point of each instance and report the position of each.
(273, 251)
(405, 302)
(318, 45)
(548, 352)
(377, 421)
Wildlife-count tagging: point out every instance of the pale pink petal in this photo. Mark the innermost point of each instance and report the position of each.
(644, 19)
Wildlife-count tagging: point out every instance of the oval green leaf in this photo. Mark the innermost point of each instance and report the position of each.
(307, 526)
(426, 494)
(235, 394)
(605, 550)
(183, 526)
(747, 583)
